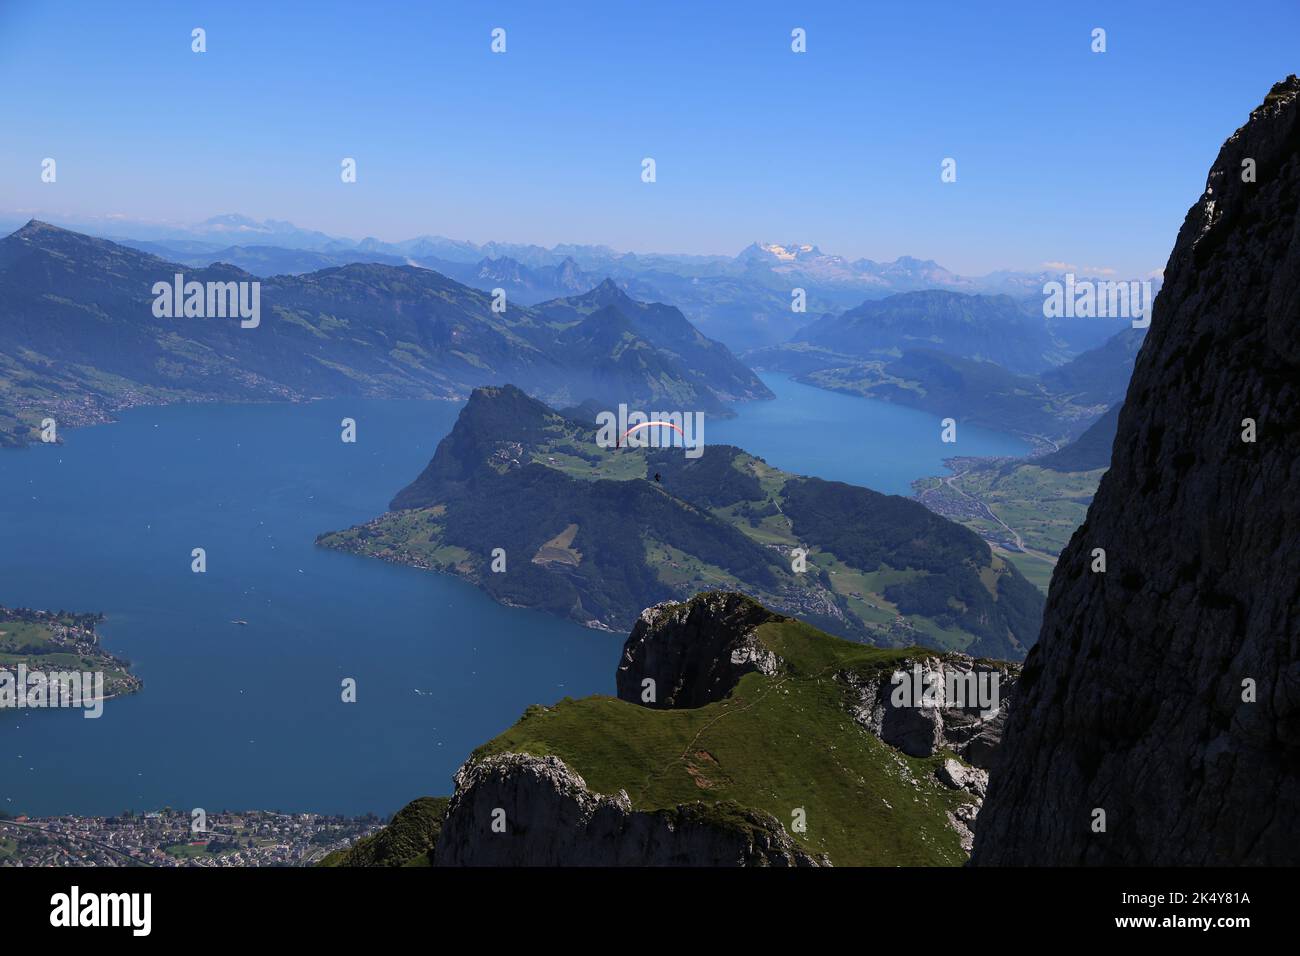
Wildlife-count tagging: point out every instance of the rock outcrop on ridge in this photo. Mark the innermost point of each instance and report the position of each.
(694, 652)
(1157, 720)
(555, 820)
(970, 727)
(758, 701)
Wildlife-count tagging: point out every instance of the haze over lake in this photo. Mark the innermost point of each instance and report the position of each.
(885, 447)
(236, 717)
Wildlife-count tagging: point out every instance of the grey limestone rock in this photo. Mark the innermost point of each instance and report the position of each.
(1136, 699)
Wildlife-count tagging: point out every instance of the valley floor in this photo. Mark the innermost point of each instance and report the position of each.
(1027, 513)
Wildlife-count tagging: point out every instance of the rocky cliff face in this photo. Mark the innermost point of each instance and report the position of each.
(694, 652)
(964, 723)
(522, 810)
(1164, 692)
(967, 720)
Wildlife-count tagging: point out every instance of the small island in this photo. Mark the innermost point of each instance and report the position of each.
(52, 642)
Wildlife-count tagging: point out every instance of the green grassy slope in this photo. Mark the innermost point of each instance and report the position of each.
(775, 744)
(1025, 511)
(408, 840)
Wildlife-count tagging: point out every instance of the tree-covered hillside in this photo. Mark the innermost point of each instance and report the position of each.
(524, 502)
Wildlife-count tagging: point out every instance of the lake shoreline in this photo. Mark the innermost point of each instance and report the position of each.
(255, 484)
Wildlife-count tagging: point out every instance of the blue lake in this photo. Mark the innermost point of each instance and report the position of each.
(251, 716)
(881, 446)
(232, 716)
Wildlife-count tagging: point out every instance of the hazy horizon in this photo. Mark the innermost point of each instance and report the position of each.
(1063, 155)
(135, 230)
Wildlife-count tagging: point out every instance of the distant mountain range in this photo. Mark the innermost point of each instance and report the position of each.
(743, 300)
(79, 337)
(987, 360)
(978, 327)
(526, 285)
(260, 261)
(1007, 331)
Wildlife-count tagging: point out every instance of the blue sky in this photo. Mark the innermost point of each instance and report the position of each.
(1062, 154)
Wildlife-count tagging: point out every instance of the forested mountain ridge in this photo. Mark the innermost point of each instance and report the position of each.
(80, 338)
(524, 502)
